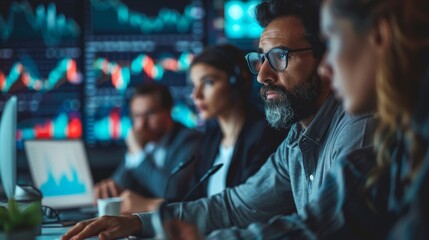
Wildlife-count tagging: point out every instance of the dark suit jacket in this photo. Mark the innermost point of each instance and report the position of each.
(255, 143)
(150, 181)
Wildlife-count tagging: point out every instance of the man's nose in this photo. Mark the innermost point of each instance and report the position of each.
(266, 74)
(140, 123)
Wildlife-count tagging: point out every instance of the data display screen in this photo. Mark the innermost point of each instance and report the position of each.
(73, 64)
(41, 63)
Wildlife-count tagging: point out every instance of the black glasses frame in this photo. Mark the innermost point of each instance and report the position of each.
(263, 56)
(50, 215)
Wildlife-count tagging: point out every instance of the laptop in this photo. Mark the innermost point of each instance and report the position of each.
(60, 169)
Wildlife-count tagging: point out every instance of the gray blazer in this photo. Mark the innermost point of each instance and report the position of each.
(150, 181)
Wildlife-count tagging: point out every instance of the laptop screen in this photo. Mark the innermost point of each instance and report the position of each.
(61, 171)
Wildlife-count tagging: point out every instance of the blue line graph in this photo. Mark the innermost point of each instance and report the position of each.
(45, 22)
(125, 20)
(63, 185)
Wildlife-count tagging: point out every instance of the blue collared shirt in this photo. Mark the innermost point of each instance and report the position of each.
(291, 177)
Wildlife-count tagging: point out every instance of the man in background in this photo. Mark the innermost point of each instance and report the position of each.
(155, 146)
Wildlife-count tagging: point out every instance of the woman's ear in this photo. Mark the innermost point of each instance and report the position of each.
(380, 36)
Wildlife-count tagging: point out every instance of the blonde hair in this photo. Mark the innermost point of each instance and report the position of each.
(399, 78)
(397, 84)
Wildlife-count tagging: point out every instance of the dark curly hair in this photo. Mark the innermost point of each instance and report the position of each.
(307, 11)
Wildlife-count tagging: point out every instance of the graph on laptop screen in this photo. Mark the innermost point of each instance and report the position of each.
(61, 171)
(73, 64)
(64, 183)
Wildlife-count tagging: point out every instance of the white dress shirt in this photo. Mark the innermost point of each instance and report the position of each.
(217, 182)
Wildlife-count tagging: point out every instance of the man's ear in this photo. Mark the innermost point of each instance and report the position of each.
(325, 71)
(380, 36)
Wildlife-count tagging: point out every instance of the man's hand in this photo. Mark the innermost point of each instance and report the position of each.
(133, 142)
(179, 230)
(133, 202)
(107, 188)
(106, 227)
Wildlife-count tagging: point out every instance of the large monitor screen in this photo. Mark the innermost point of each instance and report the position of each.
(73, 64)
(41, 63)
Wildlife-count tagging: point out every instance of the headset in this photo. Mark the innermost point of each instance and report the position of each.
(236, 79)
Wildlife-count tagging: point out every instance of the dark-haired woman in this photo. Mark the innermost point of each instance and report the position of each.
(239, 137)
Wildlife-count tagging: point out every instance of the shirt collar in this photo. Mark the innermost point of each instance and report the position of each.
(318, 126)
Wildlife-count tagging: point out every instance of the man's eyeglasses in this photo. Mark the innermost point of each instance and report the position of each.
(277, 58)
(50, 215)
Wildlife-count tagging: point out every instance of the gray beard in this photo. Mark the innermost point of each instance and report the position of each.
(291, 107)
(279, 114)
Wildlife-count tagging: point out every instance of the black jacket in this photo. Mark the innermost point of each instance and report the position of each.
(256, 142)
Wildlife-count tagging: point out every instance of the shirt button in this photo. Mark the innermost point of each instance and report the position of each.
(311, 177)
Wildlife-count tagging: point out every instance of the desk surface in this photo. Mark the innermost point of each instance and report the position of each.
(52, 233)
(57, 232)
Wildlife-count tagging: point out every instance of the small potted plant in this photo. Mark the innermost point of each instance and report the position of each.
(20, 222)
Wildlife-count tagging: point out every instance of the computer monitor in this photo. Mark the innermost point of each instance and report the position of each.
(60, 169)
(8, 147)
